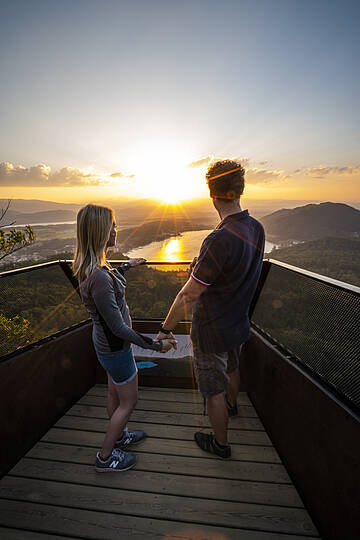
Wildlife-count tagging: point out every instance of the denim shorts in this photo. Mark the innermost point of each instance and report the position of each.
(120, 365)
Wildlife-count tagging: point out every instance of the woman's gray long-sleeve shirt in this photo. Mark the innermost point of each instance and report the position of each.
(103, 295)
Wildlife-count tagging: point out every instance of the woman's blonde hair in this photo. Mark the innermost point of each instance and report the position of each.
(93, 230)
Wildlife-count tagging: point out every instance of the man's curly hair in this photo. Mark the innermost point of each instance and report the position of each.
(226, 179)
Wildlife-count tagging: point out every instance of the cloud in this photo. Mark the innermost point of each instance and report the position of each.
(321, 171)
(121, 175)
(42, 176)
(22, 176)
(200, 162)
(206, 160)
(263, 176)
(69, 176)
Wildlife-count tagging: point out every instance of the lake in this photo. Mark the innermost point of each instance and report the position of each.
(177, 248)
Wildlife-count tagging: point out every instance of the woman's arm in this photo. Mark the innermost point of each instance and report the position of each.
(103, 294)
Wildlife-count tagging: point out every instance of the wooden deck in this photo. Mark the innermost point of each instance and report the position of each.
(176, 491)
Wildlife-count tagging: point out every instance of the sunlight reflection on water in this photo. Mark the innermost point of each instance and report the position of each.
(177, 248)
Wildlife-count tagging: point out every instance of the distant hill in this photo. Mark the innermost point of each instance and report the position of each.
(312, 221)
(28, 206)
(338, 258)
(50, 216)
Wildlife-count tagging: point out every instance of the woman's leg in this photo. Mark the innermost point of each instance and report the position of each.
(127, 396)
(112, 397)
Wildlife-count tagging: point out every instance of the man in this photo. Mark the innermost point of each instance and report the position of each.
(219, 291)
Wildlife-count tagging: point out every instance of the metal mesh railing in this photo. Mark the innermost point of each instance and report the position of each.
(36, 303)
(313, 318)
(318, 322)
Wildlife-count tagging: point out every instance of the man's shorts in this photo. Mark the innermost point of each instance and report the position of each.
(212, 369)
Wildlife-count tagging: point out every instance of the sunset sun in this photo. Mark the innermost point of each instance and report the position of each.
(164, 175)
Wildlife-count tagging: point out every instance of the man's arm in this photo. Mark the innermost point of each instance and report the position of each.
(182, 305)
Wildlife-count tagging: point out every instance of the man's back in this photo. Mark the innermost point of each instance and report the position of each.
(229, 265)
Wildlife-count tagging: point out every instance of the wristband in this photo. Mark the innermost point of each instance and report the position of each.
(163, 330)
(125, 266)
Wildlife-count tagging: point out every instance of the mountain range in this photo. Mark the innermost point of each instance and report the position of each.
(306, 222)
(311, 222)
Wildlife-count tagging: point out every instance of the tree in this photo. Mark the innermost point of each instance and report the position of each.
(14, 333)
(12, 241)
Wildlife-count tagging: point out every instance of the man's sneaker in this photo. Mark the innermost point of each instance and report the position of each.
(208, 443)
(231, 409)
(130, 438)
(116, 462)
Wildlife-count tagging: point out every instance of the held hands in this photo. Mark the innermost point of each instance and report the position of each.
(168, 344)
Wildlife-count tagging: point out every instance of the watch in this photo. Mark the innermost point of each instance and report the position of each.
(163, 330)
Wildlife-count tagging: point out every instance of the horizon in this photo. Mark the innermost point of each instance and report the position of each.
(139, 113)
(160, 210)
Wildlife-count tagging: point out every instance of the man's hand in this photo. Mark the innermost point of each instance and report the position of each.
(192, 265)
(136, 262)
(168, 344)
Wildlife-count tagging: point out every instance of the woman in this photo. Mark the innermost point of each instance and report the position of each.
(103, 293)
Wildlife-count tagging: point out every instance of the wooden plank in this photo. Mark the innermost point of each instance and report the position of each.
(107, 526)
(214, 468)
(245, 411)
(137, 503)
(20, 534)
(162, 394)
(265, 454)
(163, 431)
(194, 420)
(173, 484)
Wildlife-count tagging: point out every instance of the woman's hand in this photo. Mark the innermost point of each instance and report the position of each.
(168, 344)
(136, 262)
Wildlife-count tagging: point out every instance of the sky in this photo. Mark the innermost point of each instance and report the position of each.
(111, 99)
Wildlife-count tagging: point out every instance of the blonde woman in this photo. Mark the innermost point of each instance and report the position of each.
(103, 293)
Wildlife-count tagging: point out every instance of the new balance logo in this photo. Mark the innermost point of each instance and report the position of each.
(114, 464)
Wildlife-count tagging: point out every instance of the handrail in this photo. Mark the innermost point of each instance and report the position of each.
(313, 275)
(317, 277)
(24, 269)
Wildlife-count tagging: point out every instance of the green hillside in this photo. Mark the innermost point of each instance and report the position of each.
(338, 258)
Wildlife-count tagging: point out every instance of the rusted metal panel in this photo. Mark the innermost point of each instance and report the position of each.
(317, 437)
(38, 386)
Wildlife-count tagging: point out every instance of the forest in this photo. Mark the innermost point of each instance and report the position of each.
(338, 258)
(40, 302)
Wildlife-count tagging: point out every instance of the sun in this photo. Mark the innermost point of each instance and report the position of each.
(163, 174)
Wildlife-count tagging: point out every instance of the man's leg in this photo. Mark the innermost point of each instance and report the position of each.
(218, 417)
(232, 390)
(210, 370)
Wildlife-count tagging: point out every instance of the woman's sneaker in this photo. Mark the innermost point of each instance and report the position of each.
(208, 443)
(130, 438)
(116, 462)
